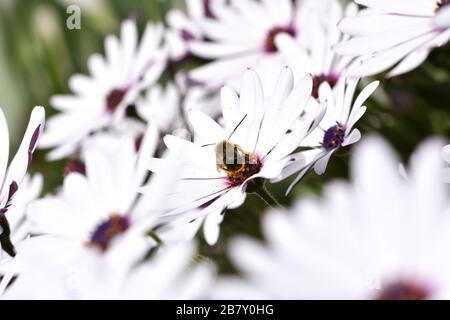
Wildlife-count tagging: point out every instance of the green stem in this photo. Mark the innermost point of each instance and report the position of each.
(155, 237)
(264, 194)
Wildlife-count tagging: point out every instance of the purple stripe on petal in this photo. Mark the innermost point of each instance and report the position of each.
(114, 98)
(186, 35)
(33, 142)
(75, 166)
(13, 187)
(207, 10)
(208, 203)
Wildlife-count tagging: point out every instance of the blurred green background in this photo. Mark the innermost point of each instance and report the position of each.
(38, 54)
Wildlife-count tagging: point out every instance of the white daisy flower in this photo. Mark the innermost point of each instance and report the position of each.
(390, 33)
(242, 34)
(446, 155)
(12, 176)
(254, 142)
(319, 60)
(380, 237)
(100, 100)
(336, 129)
(96, 208)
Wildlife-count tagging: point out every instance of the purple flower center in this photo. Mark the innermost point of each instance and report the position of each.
(441, 3)
(404, 290)
(186, 35)
(239, 174)
(107, 230)
(331, 79)
(334, 137)
(114, 98)
(75, 166)
(269, 45)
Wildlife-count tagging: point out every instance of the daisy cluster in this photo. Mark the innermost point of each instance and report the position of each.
(158, 156)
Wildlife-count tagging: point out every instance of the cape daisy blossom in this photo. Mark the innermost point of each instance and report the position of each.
(255, 142)
(380, 237)
(336, 129)
(100, 100)
(242, 34)
(100, 206)
(98, 213)
(12, 176)
(394, 33)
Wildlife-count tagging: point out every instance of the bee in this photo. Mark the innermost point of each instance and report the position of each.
(440, 4)
(237, 163)
(234, 161)
(229, 156)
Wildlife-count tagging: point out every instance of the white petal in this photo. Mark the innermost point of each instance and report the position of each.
(252, 105)
(251, 98)
(443, 18)
(214, 74)
(214, 50)
(211, 227)
(230, 108)
(370, 65)
(206, 128)
(414, 7)
(128, 37)
(284, 116)
(352, 138)
(281, 10)
(19, 164)
(410, 62)
(371, 24)
(365, 94)
(383, 40)
(446, 153)
(321, 165)
(296, 56)
(4, 145)
(301, 160)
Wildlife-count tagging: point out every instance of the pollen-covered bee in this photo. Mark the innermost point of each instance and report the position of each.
(237, 163)
(229, 156)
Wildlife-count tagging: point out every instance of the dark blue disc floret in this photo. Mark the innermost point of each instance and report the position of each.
(334, 137)
(107, 230)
